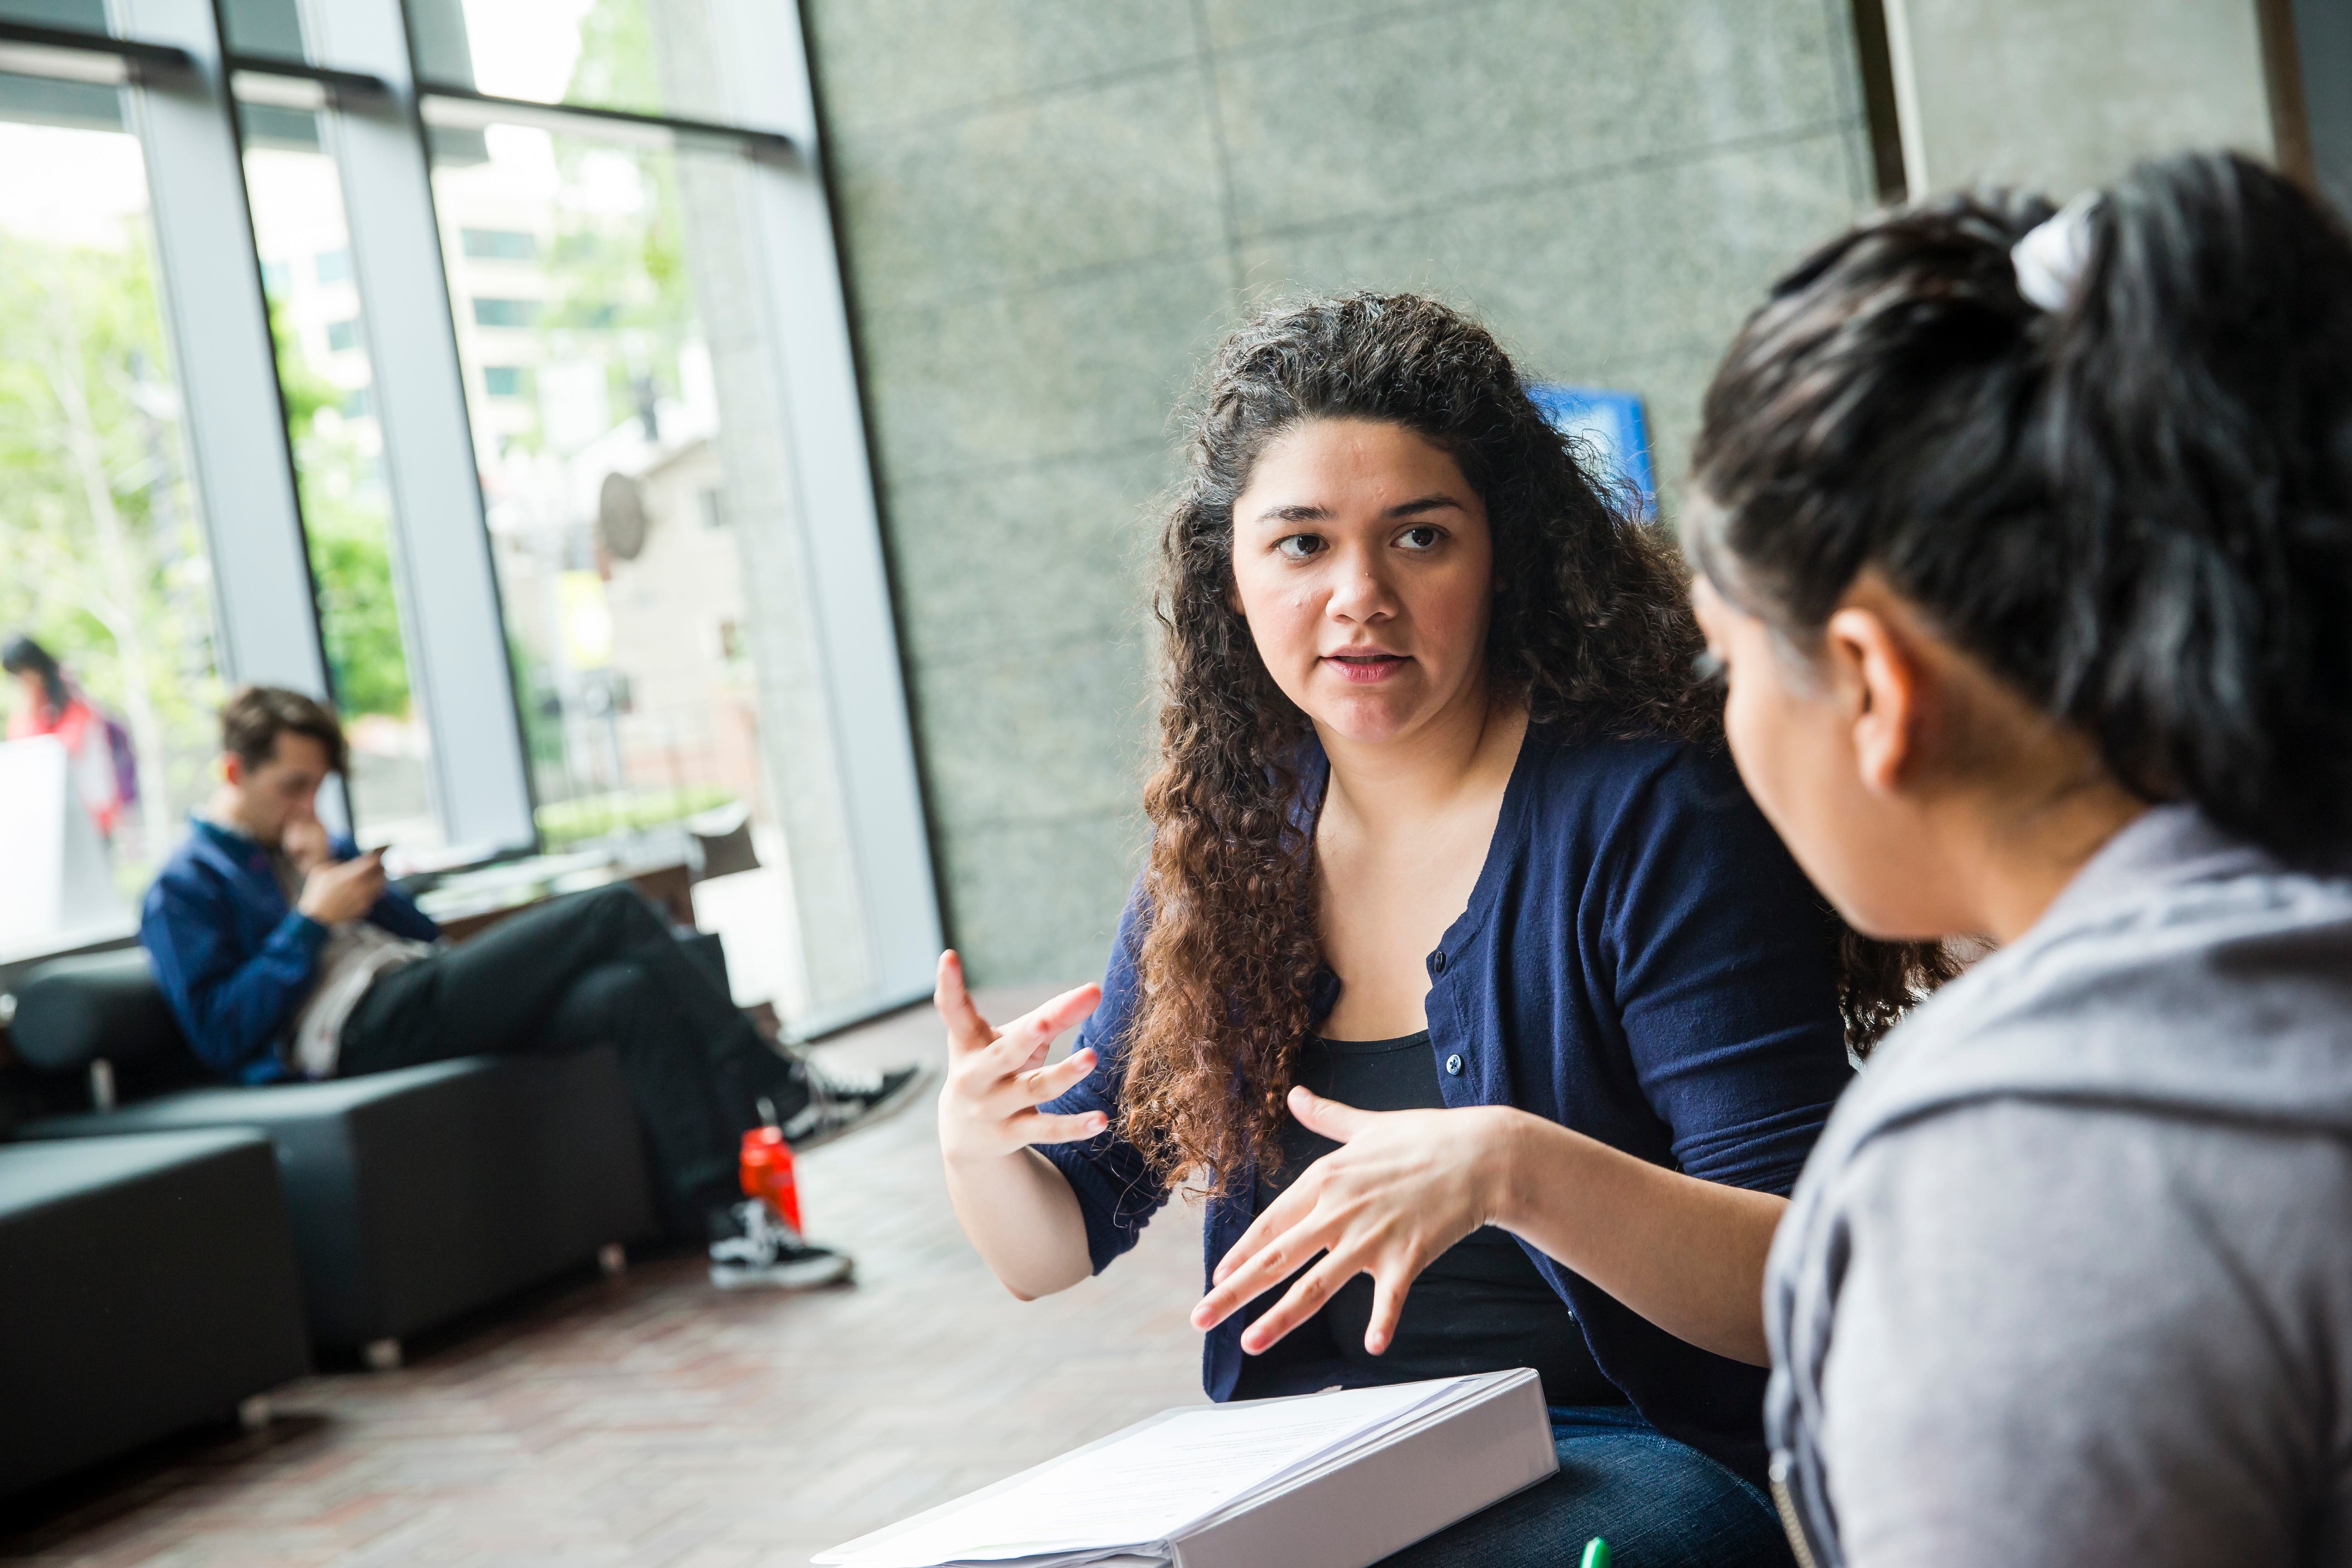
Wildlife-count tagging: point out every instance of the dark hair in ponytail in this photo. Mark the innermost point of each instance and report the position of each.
(2137, 510)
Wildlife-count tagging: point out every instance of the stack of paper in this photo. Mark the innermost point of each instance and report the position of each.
(1325, 1480)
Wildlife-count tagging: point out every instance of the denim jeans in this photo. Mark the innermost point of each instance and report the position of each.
(1660, 1504)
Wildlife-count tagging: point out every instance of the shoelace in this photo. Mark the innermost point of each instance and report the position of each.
(825, 1110)
(841, 1084)
(764, 1238)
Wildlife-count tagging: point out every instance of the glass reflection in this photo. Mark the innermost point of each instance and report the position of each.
(323, 370)
(598, 427)
(593, 52)
(103, 562)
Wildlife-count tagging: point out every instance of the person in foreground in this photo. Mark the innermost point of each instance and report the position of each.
(2026, 546)
(284, 953)
(1445, 868)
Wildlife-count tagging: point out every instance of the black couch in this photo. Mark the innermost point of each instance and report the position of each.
(414, 1196)
(147, 1284)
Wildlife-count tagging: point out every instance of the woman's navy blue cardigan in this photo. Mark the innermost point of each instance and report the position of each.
(1640, 961)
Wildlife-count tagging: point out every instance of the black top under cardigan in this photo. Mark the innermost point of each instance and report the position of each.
(1640, 961)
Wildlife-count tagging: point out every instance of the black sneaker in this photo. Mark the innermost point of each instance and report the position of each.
(842, 1100)
(765, 1251)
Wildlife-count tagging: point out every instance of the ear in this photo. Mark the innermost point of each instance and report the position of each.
(1884, 680)
(232, 768)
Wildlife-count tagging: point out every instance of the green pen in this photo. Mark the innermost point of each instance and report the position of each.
(1596, 1553)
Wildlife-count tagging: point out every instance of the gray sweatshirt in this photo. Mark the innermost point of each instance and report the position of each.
(2068, 1279)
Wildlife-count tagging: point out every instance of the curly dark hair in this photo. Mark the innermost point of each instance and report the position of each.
(1591, 628)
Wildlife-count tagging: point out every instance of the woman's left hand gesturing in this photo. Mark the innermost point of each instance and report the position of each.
(1402, 1188)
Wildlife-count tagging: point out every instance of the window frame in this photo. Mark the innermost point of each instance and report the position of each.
(182, 86)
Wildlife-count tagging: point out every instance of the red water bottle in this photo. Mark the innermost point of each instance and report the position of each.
(767, 1172)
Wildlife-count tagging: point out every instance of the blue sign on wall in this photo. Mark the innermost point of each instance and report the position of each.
(1613, 425)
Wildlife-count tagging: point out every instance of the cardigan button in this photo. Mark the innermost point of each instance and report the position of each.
(1454, 1064)
(1437, 961)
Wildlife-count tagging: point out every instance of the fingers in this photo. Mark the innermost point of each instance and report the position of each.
(1388, 1306)
(1021, 1092)
(1025, 1038)
(1036, 1127)
(967, 1030)
(996, 1079)
(1246, 1284)
(1340, 1124)
(1283, 1240)
(1048, 1082)
(1303, 1301)
(1279, 1216)
(1276, 1256)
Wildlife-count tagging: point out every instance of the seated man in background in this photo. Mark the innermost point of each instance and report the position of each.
(286, 954)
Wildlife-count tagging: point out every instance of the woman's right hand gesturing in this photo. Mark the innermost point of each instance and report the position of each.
(996, 1078)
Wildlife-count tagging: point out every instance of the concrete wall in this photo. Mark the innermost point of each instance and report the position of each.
(1053, 207)
(2324, 48)
(2065, 94)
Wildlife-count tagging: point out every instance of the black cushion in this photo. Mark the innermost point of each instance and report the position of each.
(705, 948)
(150, 1286)
(71, 1012)
(422, 1194)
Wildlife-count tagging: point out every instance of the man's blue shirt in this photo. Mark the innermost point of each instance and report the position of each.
(233, 958)
(1640, 961)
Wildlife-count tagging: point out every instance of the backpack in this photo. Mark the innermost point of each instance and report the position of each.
(125, 757)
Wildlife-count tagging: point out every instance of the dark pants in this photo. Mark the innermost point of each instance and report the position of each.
(597, 968)
(1659, 1504)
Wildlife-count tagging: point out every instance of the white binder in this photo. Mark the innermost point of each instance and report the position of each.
(1398, 1464)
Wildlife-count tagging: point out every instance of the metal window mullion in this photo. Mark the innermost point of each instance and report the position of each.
(66, 54)
(450, 611)
(226, 363)
(464, 108)
(806, 329)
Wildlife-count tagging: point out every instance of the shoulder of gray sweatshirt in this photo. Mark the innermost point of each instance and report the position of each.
(2068, 1279)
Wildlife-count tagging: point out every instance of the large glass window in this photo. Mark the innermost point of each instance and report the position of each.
(102, 560)
(599, 429)
(323, 370)
(604, 53)
(501, 459)
(87, 15)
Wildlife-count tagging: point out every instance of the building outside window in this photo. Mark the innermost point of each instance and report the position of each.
(492, 312)
(498, 245)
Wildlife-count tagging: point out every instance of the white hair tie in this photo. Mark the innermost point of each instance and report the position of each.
(2050, 260)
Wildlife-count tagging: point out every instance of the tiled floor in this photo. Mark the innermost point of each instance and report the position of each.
(651, 1420)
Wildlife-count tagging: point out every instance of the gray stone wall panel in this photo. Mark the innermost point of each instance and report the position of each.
(1051, 210)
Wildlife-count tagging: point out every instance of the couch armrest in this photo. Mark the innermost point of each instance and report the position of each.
(71, 1012)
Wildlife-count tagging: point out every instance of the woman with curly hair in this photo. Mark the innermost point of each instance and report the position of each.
(1461, 960)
